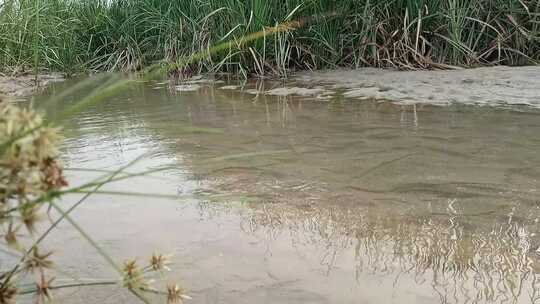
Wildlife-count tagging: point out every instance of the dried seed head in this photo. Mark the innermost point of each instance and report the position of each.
(130, 267)
(43, 289)
(30, 216)
(174, 294)
(133, 275)
(28, 166)
(38, 261)
(8, 292)
(159, 262)
(11, 236)
(54, 178)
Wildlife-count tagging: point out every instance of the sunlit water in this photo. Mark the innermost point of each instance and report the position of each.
(294, 200)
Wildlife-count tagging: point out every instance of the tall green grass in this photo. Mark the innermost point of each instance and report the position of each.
(85, 35)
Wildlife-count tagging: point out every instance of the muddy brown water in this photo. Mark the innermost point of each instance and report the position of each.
(298, 200)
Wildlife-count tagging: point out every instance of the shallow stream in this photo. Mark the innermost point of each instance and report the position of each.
(298, 199)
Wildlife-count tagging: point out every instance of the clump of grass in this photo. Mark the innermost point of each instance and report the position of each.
(31, 178)
(29, 171)
(71, 36)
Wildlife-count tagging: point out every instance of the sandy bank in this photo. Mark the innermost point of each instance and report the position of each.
(491, 85)
(26, 84)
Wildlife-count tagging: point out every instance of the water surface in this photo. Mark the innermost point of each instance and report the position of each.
(298, 200)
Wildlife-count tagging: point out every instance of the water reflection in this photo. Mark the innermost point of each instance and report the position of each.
(299, 200)
(464, 259)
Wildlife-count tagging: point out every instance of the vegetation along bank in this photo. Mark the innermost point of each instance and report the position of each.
(99, 35)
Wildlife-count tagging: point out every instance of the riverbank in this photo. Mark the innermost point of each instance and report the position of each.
(496, 86)
(25, 85)
(486, 86)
